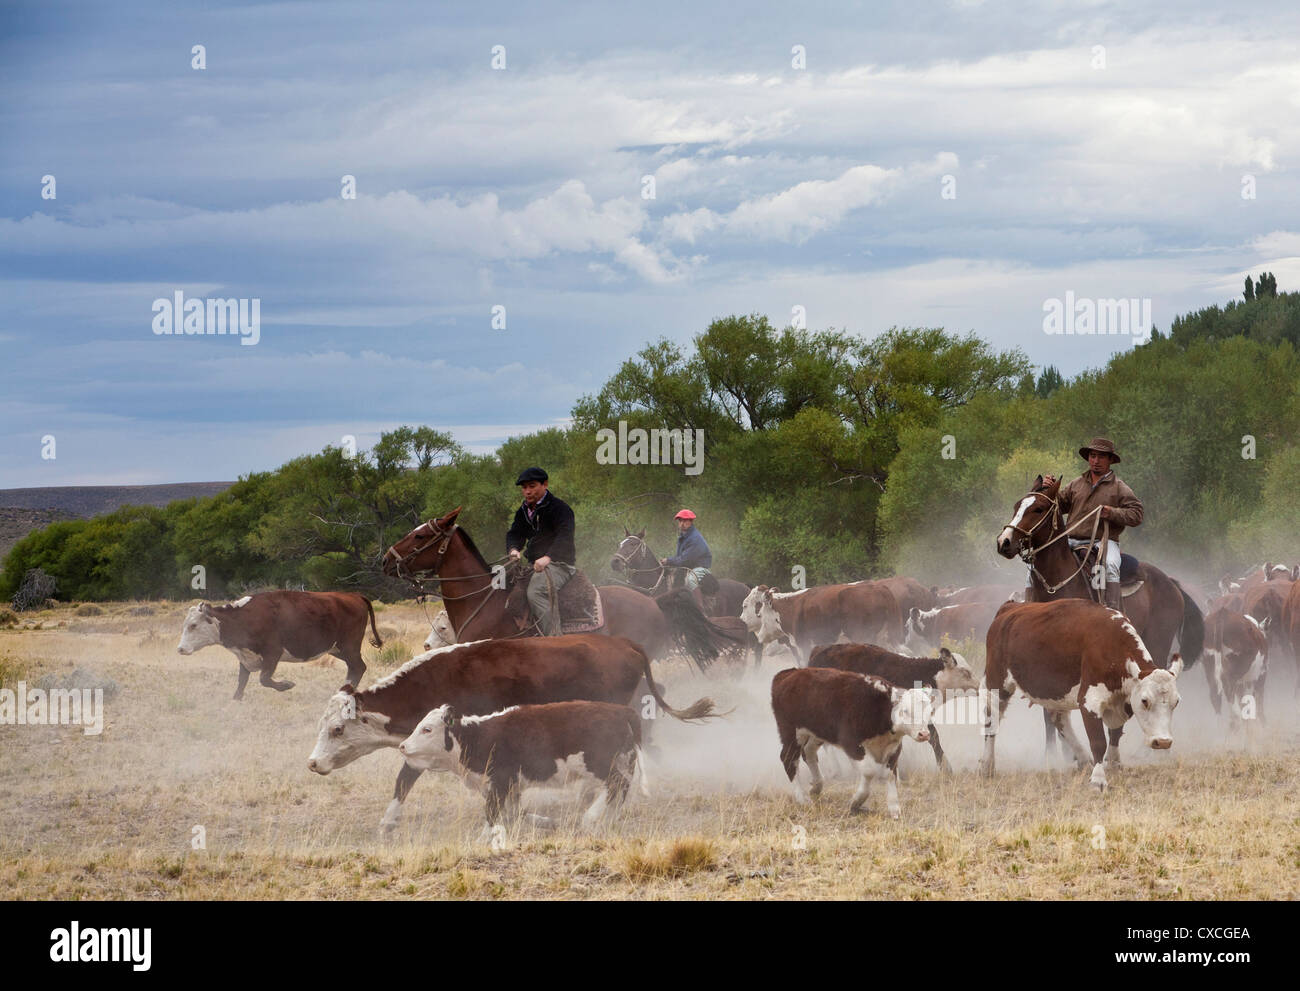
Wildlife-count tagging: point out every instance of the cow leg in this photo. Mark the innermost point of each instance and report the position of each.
(868, 768)
(1051, 746)
(810, 749)
(356, 668)
(1097, 738)
(267, 677)
(243, 680)
(991, 728)
(1112, 751)
(890, 771)
(939, 758)
(1061, 720)
(1211, 664)
(794, 649)
(406, 777)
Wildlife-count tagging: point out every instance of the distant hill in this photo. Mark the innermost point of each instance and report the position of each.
(25, 510)
(86, 501)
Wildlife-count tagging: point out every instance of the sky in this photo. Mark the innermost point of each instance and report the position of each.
(869, 165)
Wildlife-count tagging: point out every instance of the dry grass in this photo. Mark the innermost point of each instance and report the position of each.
(115, 816)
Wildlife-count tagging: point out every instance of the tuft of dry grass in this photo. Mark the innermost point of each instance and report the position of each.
(674, 859)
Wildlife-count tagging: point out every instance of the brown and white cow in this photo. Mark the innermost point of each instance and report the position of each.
(946, 673)
(910, 593)
(863, 612)
(441, 633)
(1238, 663)
(864, 716)
(499, 752)
(478, 678)
(926, 628)
(1075, 654)
(269, 627)
(1264, 602)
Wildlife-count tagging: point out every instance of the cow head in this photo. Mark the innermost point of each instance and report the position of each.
(431, 745)
(347, 731)
(201, 629)
(442, 634)
(956, 675)
(1153, 698)
(916, 630)
(912, 712)
(749, 609)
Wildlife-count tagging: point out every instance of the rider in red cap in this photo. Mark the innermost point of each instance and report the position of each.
(692, 551)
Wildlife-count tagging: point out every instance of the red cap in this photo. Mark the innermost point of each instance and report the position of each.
(684, 514)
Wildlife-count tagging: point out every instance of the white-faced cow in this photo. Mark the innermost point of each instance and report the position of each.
(264, 629)
(479, 678)
(499, 752)
(863, 612)
(441, 633)
(926, 628)
(946, 673)
(864, 716)
(1238, 651)
(1075, 654)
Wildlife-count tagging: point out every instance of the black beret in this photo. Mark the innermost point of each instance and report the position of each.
(531, 475)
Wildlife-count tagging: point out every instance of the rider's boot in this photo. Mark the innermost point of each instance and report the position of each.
(1114, 597)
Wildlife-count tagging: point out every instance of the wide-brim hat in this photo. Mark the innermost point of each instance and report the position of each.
(531, 475)
(1102, 446)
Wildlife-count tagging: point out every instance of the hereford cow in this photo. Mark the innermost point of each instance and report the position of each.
(926, 628)
(1238, 652)
(864, 716)
(948, 672)
(1075, 654)
(910, 593)
(478, 678)
(1264, 603)
(499, 752)
(441, 634)
(864, 612)
(264, 629)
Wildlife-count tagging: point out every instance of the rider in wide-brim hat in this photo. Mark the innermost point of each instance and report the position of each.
(1120, 508)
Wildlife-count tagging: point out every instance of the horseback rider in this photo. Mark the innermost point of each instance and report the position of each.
(1120, 508)
(692, 550)
(543, 532)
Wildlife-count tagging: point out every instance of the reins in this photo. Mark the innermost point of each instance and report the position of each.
(1028, 552)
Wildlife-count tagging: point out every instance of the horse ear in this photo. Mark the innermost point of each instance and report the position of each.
(1038, 484)
(641, 535)
(626, 531)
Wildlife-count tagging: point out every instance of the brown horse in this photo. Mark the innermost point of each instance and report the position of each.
(1160, 610)
(476, 605)
(635, 559)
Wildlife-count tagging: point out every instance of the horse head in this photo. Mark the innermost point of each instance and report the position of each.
(422, 549)
(1035, 519)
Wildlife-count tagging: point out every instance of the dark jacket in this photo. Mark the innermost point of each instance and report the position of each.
(548, 534)
(692, 551)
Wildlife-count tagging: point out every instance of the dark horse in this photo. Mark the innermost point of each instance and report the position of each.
(476, 606)
(1160, 610)
(635, 559)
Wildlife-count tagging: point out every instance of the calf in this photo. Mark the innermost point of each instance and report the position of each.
(1238, 650)
(533, 743)
(441, 634)
(264, 629)
(864, 716)
(945, 673)
(1075, 654)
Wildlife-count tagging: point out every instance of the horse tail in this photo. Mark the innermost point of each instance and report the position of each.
(692, 632)
(704, 708)
(374, 630)
(1191, 635)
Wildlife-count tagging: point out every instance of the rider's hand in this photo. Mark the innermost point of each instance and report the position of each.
(1105, 512)
(540, 564)
(514, 555)
(663, 561)
(1049, 480)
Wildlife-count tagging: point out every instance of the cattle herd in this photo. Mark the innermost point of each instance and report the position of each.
(872, 670)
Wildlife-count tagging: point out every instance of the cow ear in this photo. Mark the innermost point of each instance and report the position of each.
(913, 613)
(1131, 668)
(1176, 665)
(946, 655)
(205, 608)
(348, 688)
(934, 590)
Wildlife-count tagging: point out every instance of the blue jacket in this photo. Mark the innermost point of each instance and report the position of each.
(692, 551)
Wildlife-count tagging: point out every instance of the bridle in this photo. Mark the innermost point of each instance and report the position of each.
(1028, 552)
(641, 551)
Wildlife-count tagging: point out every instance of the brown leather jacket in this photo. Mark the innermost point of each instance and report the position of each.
(1081, 496)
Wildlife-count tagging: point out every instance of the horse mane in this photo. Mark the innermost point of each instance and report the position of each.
(473, 548)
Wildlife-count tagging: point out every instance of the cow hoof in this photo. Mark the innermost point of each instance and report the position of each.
(239, 697)
(815, 791)
(945, 768)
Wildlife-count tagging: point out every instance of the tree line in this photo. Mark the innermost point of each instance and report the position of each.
(842, 456)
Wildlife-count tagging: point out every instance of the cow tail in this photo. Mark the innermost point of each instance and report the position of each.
(1191, 635)
(704, 708)
(375, 641)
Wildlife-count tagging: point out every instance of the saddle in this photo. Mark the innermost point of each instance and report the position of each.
(1129, 582)
(578, 599)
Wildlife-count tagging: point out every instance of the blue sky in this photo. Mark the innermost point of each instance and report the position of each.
(522, 187)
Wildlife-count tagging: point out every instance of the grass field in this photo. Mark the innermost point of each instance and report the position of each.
(115, 816)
